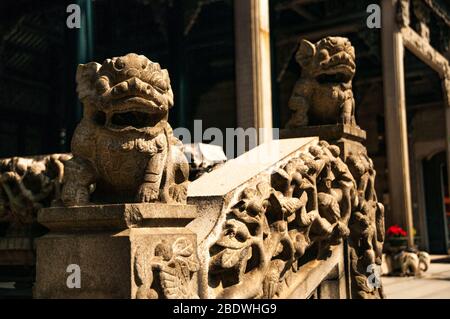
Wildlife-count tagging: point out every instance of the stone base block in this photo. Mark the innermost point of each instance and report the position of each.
(116, 251)
(347, 137)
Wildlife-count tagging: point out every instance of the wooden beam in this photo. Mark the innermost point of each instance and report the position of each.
(253, 67)
(304, 13)
(425, 52)
(439, 11)
(283, 6)
(317, 30)
(395, 117)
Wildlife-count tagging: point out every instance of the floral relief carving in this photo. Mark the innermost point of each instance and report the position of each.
(168, 273)
(29, 184)
(306, 208)
(367, 227)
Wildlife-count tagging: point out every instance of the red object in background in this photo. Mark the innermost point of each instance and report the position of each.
(447, 206)
(396, 231)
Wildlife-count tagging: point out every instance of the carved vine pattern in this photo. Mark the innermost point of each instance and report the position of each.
(28, 184)
(310, 204)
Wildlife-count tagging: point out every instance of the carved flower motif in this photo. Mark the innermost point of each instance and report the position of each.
(234, 245)
(251, 208)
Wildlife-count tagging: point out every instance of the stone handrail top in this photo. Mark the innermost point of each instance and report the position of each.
(239, 170)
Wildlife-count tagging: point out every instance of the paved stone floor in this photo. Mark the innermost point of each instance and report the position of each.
(433, 284)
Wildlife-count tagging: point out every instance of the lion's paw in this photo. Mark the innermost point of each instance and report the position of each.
(148, 193)
(178, 192)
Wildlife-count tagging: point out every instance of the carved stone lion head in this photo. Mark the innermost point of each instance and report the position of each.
(126, 91)
(332, 59)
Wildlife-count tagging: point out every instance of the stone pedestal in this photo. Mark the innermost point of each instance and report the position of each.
(347, 137)
(117, 251)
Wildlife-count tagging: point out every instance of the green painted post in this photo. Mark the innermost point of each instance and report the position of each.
(85, 41)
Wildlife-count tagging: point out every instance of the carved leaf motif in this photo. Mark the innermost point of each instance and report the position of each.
(264, 189)
(230, 257)
(285, 218)
(193, 264)
(248, 193)
(187, 265)
(176, 275)
(280, 180)
(230, 243)
(174, 283)
(183, 247)
(291, 205)
(235, 235)
(276, 208)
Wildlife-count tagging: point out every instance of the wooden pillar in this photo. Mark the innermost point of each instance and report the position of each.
(395, 117)
(253, 71)
(423, 50)
(446, 93)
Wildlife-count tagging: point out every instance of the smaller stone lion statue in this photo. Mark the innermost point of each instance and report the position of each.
(408, 262)
(323, 94)
(124, 147)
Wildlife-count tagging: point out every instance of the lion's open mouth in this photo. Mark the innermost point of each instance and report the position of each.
(333, 78)
(338, 73)
(133, 119)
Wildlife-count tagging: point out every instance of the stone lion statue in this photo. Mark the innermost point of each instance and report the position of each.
(124, 149)
(323, 94)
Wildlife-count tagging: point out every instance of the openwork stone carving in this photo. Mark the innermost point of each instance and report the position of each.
(366, 228)
(168, 274)
(124, 144)
(306, 208)
(323, 94)
(28, 184)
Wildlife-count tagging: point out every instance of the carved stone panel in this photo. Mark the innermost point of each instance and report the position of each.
(123, 251)
(366, 230)
(165, 265)
(275, 224)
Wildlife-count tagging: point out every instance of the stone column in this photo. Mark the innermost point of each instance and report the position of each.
(121, 251)
(253, 70)
(395, 117)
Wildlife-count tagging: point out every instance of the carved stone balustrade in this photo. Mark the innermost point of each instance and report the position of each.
(291, 218)
(365, 243)
(26, 185)
(278, 227)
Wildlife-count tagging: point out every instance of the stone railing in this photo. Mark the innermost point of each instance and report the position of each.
(301, 222)
(285, 227)
(26, 185)
(292, 218)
